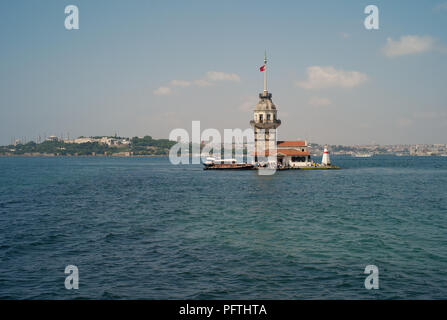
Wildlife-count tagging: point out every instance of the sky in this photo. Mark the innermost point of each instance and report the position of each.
(136, 68)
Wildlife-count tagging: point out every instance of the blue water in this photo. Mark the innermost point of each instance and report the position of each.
(141, 228)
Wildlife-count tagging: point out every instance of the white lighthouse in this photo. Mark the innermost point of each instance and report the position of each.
(325, 161)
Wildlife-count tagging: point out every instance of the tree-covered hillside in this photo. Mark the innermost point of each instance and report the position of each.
(137, 146)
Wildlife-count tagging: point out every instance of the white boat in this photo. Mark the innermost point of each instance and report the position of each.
(216, 164)
(362, 155)
(212, 160)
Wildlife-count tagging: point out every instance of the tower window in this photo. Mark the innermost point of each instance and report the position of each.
(260, 117)
(268, 117)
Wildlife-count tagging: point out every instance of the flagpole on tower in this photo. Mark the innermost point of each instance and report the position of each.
(265, 71)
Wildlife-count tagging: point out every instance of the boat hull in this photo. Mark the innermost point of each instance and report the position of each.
(229, 166)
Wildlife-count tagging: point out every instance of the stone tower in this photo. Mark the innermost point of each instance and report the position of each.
(265, 122)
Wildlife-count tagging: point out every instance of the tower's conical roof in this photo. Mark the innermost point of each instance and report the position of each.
(265, 102)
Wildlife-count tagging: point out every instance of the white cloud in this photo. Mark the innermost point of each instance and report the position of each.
(202, 83)
(162, 91)
(319, 102)
(180, 83)
(441, 7)
(408, 45)
(329, 77)
(222, 76)
(208, 80)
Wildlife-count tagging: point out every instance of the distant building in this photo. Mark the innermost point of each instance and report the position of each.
(293, 154)
(102, 140)
(81, 140)
(52, 138)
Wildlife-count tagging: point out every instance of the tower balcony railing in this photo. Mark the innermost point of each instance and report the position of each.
(266, 124)
(264, 95)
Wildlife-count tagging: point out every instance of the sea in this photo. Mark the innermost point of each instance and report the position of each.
(142, 228)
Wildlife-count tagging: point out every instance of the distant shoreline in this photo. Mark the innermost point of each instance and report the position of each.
(165, 155)
(78, 156)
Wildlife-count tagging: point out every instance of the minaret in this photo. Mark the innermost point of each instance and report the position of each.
(265, 120)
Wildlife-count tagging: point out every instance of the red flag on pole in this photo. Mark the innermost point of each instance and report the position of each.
(262, 68)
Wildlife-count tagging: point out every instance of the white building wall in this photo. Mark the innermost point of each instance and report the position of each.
(292, 164)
